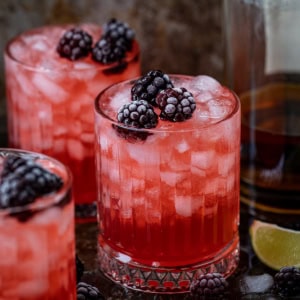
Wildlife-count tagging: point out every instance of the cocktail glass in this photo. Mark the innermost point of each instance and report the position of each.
(37, 251)
(50, 102)
(168, 197)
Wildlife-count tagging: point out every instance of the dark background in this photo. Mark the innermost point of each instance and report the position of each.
(176, 36)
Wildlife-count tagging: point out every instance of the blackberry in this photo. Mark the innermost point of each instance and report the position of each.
(176, 104)
(23, 180)
(210, 284)
(287, 281)
(74, 44)
(148, 86)
(88, 292)
(138, 114)
(117, 31)
(106, 51)
(79, 268)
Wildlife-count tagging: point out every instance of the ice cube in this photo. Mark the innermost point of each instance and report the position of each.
(197, 172)
(59, 145)
(49, 88)
(138, 153)
(48, 216)
(204, 159)
(169, 178)
(87, 138)
(25, 84)
(40, 45)
(205, 83)
(256, 283)
(183, 205)
(211, 186)
(114, 174)
(35, 288)
(182, 146)
(226, 162)
(75, 149)
(218, 108)
(119, 100)
(8, 250)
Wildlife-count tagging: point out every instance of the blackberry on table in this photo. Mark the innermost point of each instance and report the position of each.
(148, 86)
(106, 51)
(23, 180)
(117, 31)
(176, 104)
(138, 114)
(88, 292)
(79, 268)
(209, 285)
(74, 44)
(287, 281)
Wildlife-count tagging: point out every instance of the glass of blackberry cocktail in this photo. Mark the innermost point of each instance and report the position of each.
(167, 160)
(37, 252)
(51, 89)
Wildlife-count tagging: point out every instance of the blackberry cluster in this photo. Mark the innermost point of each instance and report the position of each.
(138, 114)
(23, 180)
(209, 285)
(120, 32)
(88, 292)
(287, 281)
(107, 51)
(176, 104)
(79, 268)
(148, 86)
(74, 44)
(116, 40)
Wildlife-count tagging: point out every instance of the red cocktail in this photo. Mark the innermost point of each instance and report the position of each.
(50, 99)
(37, 251)
(169, 195)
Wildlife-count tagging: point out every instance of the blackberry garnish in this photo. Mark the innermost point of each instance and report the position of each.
(107, 51)
(117, 31)
(287, 281)
(88, 292)
(74, 44)
(210, 284)
(176, 104)
(23, 180)
(79, 268)
(138, 114)
(148, 86)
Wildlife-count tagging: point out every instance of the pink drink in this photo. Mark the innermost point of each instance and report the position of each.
(37, 255)
(169, 205)
(49, 100)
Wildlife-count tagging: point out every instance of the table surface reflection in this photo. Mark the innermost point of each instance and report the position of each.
(86, 248)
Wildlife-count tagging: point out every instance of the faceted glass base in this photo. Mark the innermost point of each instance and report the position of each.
(121, 269)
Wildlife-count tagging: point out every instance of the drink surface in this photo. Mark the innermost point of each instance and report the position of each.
(37, 255)
(271, 144)
(173, 198)
(50, 100)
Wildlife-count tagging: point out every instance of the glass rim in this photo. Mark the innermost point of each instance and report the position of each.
(100, 112)
(46, 201)
(133, 53)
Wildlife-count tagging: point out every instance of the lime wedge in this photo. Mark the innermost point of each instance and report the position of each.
(275, 246)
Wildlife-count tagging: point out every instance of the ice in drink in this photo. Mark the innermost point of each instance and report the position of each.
(50, 99)
(37, 252)
(168, 196)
